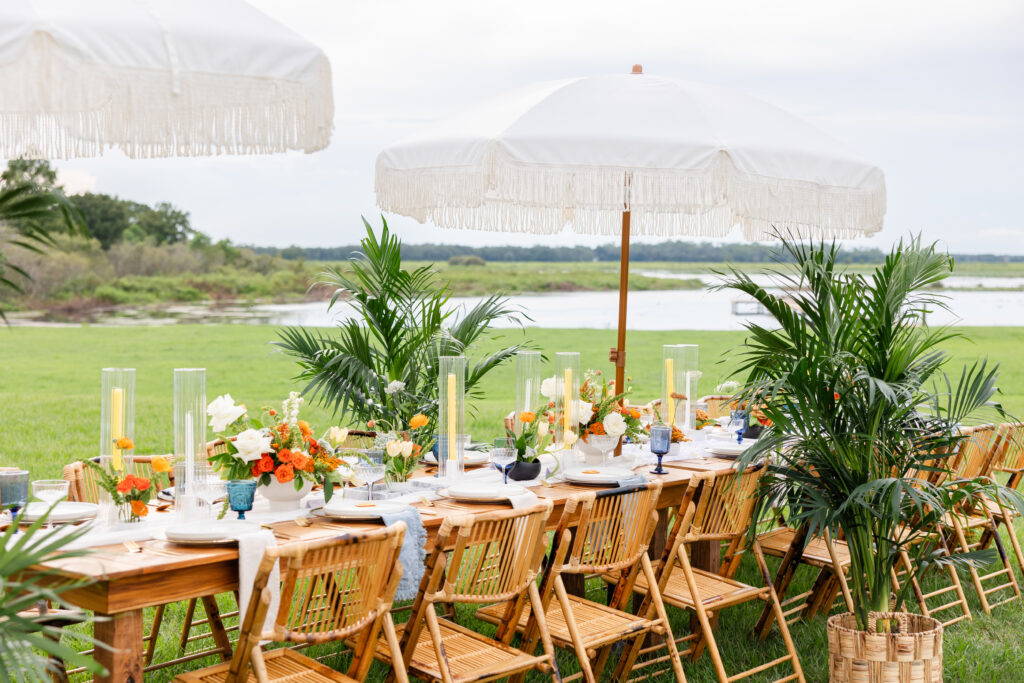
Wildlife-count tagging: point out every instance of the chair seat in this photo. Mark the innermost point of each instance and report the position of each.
(777, 541)
(597, 624)
(471, 656)
(283, 664)
(715, 591)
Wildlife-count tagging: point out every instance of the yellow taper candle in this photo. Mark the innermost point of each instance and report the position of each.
(569, 401)
(670, 405)
(116, 426)
(452, 436)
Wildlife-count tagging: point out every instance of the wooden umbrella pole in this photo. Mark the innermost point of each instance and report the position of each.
(618, 354)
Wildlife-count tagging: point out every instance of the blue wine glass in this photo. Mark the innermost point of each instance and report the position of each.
(661, 441)
(14, 492)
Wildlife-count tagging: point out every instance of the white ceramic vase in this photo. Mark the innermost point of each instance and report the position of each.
(284, 497)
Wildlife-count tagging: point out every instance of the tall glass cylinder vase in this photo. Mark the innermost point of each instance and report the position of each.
(527, 386)
(567, 393)
(189, 434)
(679, 378)
(451, 394)
(117, 431)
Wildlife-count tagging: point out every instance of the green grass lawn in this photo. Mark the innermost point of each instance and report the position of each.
(49, 411)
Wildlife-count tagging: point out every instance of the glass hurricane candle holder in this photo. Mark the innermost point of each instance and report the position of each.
(567, 394)
(189, 432)
(117, 416)
(451, 392)
(679, 378)
(527, 386)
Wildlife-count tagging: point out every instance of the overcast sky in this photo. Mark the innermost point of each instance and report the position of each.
(933, 92)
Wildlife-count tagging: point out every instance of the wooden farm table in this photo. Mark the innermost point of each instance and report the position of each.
(125, 583)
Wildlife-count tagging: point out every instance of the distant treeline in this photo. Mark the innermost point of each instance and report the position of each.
(701, 252)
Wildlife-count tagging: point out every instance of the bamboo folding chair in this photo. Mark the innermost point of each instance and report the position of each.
(1008, 457)
(830, 557)
(476, 559)
(717, 506)
(334, 590)
(613, 528)
(718, 405)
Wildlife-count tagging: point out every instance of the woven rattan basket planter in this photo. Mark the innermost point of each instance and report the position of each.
(912, 655)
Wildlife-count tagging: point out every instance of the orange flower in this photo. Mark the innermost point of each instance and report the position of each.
(835, 395)
(284, 474)
(418, 420)
(125, 485)
(125, 444)
(284, 455)
(300, 460)
(370, 424)
(160, 464)
(634, 413)
(597, 429)
(141, 484)
(416, 448)
(304, 428)
(273, 412)
(266, 464)
(139, 509)
(255, 471)
(527, 417)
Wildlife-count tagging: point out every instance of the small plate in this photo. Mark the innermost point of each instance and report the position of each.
(64, 512)
(598, 475)
(483, 492)
(468, 458)
(209, 533)
(359, 509)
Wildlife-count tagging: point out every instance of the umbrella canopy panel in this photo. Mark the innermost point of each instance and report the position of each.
(684, 158)
(157, 78)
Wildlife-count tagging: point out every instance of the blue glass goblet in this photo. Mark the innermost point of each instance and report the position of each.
(14, 492)
(661, 441)
(240, 495)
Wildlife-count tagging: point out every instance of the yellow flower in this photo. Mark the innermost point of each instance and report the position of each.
(418, 420)
(160, 464)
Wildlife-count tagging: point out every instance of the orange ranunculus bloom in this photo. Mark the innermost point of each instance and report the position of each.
(284, 455)
(139, 509)
(835, 395)
(300, 460)
(416, 448)
(125, 444)
(304, 428)
(125, 485)
(527, 417)
(141, 484)
(255, 471)
(597, 428)
(266, 464)
(282, 430)
(160, 464)
(634, 413)
(370, 424)
(284, 473)
(418, 420)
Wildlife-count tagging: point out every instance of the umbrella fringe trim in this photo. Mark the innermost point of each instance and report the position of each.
(511, 197)
(83, 109)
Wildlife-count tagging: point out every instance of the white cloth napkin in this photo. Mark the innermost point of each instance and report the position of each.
(250, 554)
(526, 499)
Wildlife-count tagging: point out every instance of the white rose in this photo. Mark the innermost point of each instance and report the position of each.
(252, 444)
(406, 448)
(223, 412)
(584, 411)
(614, 424)
(394, 448)
(549, 387)
(337, 435)
(394, 387)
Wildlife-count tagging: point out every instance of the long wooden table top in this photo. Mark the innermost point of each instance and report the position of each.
(166, 572)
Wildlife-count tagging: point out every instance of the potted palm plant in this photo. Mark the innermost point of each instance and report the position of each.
(852, 382)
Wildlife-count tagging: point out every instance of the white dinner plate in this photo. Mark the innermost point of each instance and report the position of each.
(360, 509)
(598, 475)
(731, 447)
(469, 458)
(222, 531)
(65, 511)
(483, 491)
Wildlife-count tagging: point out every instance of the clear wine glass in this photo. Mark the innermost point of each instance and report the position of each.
(503, 458)
(661, 442)
(50, 491)
(351, 458)
(208, 486)
(371, 469)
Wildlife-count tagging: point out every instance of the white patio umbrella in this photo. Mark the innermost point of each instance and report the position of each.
(632, 153)
(157, 78)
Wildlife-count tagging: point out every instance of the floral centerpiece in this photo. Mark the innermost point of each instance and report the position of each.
(600, 412)
(131, 494)
(533, 434)
(402, 447)
(276, 447)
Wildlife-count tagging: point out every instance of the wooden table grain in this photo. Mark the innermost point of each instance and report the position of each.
(125, 583)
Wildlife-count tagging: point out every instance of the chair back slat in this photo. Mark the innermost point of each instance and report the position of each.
(613, 527)
(718, 405)
(1010, 447)
(333, 588)
(974, 455)
(493, 556)
(725, 503)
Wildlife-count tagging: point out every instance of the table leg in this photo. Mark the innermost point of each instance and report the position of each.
(122, 657)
